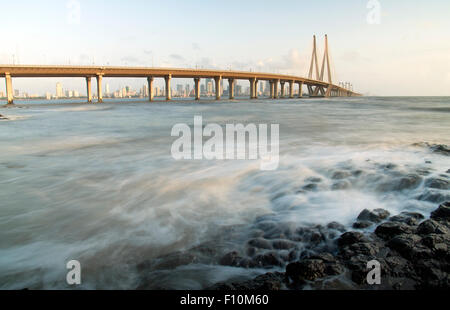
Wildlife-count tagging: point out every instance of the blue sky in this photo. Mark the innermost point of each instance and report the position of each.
(408, 53)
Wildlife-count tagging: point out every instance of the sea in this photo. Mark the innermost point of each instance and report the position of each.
(97, 183)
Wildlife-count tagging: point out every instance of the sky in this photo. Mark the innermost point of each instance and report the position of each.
(402, 51)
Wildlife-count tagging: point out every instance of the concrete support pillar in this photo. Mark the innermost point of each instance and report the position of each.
(300, 89)
(9, 90)
(218, 81)
(88, 90)
(99, 88)
(252, 88)
(283, 89)
(151, 95)
(255, 93)
(276, 84)
(272, 89)
(197, 88)
(168, 79)
(291, 89)
(231, 88)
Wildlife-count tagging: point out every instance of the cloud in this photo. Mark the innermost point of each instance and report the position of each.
(196, 46)
(176, 57)
(130, 60)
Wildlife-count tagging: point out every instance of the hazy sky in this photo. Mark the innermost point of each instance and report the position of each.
(407, 53)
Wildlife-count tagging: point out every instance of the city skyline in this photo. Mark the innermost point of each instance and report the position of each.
(407, 45)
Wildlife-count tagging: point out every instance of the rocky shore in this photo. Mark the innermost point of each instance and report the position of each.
(414, 253)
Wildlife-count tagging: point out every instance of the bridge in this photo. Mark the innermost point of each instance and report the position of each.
(316, 86)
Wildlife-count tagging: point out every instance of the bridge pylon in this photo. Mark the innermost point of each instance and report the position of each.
(318, 91)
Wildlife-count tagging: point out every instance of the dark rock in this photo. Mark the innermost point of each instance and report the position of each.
(260, 243)
(314, 180)
(431, 274)
(432, 227)
(362, 224)
(389, 166)
(310, 187)
(309, 270)
(423, 172)
(408, 218)
(3, 117)
(440, 149)
(231, 259)
(409, 246)
(341, 185)
(350, 238)
(409, 182)
(336, 226)
(340, 175)
(437, 184)
(357, 173)
(434, 196)
(269, 259)
(375, 216)
(442, 213)
(283, 245)
(389, 230)
(439, 244)
(358, 267)
(267, 282)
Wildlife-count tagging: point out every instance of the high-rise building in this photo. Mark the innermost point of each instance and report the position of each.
(180, 91)
(107, 90)
(59, 90)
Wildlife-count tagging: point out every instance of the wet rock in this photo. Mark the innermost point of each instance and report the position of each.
(173, 261)
(434, 196)
(362, 224)
(231, 259)
(389, 230)
(260, 243)
(340, 175)
(283, 245)
(341, 185)
(358, 267)
(423, 172)
(314, 180)
(442, 213)
(360, 248)
(409, 246)
(431, 274)
(350, 238)
(437, 184)
(310, 187)
(309, 270)
(389, 166)
(432, 227)
(440, 149)
(408, 218)
(438, 244)
(267, 282)
(409, 182)
(270, 259)
(375, 216)
(336, 226)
